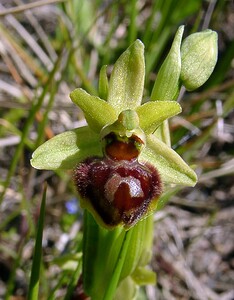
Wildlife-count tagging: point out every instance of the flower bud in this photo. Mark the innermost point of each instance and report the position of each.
(198, 58)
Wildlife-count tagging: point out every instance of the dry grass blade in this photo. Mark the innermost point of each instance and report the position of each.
(225, 170)
(41, 33)
(23, 7)
(28, 38)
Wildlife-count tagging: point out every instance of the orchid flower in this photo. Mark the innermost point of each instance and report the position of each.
(122, 160)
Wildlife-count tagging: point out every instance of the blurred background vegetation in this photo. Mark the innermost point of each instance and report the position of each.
(47, 49)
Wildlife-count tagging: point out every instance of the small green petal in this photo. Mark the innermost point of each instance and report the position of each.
(152, 114)
(65, 150)
(127, 78)
(170, 165)
(103, 85)
(98, 112)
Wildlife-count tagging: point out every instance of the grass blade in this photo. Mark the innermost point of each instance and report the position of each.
(35, 272)
(35, 108)
(73, 282)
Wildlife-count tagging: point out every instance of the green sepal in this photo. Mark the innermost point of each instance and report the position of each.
(127, 79)
(167, 84)
(65, 150)
(153, 113)
(103, 85)
(169, 164)
(98, 112)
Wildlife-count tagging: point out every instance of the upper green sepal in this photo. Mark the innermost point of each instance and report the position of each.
(153, 113)
(98, 112)
(198, 58)
(127, 79)
(170, 165)
(65, 150)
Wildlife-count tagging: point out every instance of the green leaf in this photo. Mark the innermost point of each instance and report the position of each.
(169, 164)
(98, 112)
(36, 265)
(167, 84)
(135, 251)
(127, 79)
(146, 253)
(153, 113)
(65, 150)
(99, 242)
(114, 279)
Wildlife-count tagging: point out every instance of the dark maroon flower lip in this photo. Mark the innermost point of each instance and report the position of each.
(117, 192)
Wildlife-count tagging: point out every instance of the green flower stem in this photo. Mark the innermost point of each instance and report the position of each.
(123, 255)
(97, 244)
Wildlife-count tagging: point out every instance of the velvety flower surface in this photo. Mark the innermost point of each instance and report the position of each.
(119, 191)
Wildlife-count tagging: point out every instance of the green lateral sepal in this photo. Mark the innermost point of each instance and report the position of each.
(169, 164)
(65, 150)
